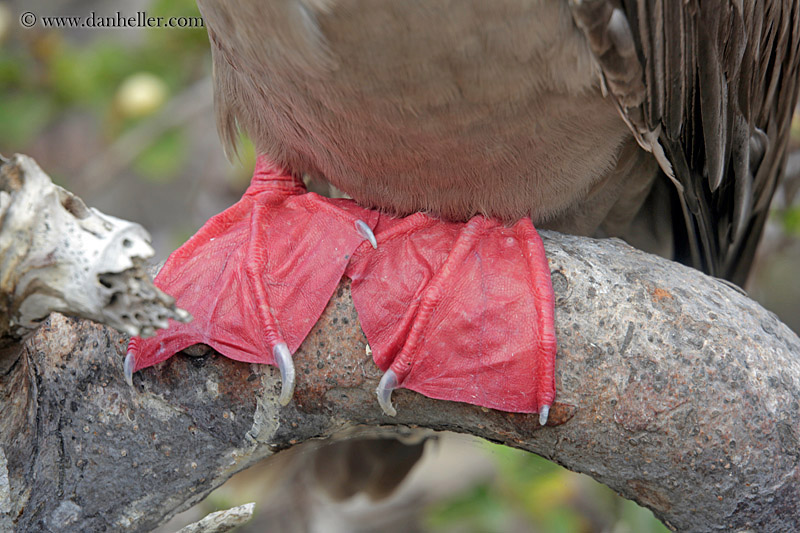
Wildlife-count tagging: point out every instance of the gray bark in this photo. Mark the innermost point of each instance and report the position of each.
(674, 389)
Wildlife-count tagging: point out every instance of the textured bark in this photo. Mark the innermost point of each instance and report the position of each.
(673, 388)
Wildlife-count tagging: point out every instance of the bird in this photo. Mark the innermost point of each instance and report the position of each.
(455, 128)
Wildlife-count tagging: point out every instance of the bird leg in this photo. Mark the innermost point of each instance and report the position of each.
(466, 311)
(257, 277)
(454, 311)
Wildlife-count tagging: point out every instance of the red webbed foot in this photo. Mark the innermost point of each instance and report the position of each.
(460, 312)
(257, 277)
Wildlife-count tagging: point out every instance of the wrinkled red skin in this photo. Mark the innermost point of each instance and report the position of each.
(459, 311)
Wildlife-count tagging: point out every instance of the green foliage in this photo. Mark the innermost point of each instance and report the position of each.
(87, 77)
(246, 154)
(164, 158)
(791, 220)
(11, 68)
(22, 116)
(44, 74)
(476, 510)
(531, 493)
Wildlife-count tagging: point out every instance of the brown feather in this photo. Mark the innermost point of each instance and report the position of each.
(727, 81)
(454, 108)
(459, 107)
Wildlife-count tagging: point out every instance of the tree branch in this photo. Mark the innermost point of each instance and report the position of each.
(673, 388)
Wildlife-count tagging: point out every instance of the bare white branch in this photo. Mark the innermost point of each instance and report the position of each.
(57, 254)
(222, 521)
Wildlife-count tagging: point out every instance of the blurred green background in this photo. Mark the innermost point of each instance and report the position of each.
(123, 118)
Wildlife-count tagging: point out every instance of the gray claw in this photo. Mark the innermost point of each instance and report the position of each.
(543, 414)
(366, 232)
(385, 387)
(128, 366)
(286, 366)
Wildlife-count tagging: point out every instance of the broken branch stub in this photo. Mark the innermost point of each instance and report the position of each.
(57, 254)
